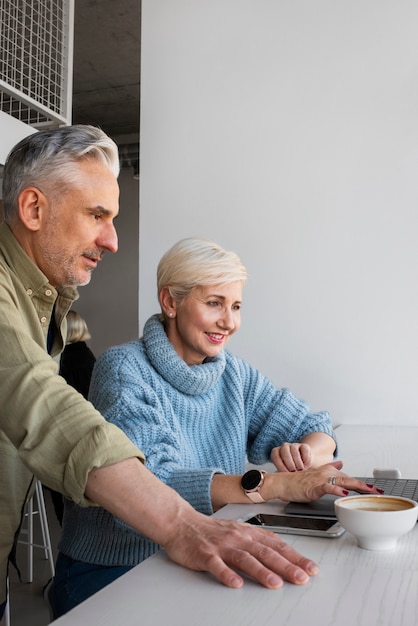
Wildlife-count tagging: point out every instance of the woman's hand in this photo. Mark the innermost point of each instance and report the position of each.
(313, 483)
(314, 450)
(292, 457)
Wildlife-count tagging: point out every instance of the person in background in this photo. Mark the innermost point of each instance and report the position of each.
(198, 412)
(60, 198)
(77, 360)
(76, 366)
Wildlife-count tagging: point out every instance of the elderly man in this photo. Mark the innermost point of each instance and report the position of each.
(60, 195)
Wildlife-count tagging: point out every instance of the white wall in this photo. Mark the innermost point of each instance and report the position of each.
(287, 130)
(12, 130)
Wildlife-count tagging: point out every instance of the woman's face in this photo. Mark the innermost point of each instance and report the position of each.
(203, 323)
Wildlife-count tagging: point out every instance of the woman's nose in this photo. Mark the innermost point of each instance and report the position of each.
(227, 320)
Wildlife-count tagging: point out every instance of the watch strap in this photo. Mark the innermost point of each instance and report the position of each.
(255, 496)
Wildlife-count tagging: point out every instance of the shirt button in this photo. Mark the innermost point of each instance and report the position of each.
(43, 320)
(48, 292)
(29, 292)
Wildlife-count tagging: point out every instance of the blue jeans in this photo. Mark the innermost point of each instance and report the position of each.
(75, 581)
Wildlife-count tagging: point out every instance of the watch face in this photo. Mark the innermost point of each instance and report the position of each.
(251, 480)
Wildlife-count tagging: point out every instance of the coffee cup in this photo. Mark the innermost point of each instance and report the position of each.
(377, 521)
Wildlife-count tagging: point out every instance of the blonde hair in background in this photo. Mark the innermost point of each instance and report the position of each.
(194, 262)
(77, 329)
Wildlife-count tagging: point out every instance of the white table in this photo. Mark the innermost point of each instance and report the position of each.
(354, 588)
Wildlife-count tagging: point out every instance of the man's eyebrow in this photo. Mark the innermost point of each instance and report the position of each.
(100, 210)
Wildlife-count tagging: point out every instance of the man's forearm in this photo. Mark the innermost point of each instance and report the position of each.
(132, 493)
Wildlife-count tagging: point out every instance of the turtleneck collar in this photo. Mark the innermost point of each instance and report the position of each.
(189, 379)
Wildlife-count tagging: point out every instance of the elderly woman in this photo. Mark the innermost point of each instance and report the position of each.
(198, 413)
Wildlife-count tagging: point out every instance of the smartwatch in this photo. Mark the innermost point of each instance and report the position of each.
(251, 483)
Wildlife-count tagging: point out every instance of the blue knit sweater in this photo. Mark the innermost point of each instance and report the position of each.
(191, 422)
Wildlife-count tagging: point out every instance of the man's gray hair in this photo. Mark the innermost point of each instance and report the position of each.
(46, 160)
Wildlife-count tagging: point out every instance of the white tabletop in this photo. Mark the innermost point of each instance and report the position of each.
(354, 588)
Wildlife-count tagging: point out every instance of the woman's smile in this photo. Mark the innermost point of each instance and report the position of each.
(215, 337)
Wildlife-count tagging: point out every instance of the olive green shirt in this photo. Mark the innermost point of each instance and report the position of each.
(47, 429)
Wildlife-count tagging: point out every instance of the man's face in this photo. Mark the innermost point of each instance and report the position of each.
(78, 228)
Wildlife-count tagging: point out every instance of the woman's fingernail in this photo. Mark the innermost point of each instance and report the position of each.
(345, 492)
(380, 490)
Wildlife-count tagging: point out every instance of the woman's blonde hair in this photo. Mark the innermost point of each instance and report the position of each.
(77, 329)
(194, 262)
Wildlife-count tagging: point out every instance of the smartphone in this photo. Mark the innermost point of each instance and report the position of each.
(298, 525)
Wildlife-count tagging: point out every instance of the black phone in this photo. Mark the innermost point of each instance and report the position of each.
(298, 525)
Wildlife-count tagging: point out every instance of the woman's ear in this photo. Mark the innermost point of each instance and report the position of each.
(167, 302)
(30, 204)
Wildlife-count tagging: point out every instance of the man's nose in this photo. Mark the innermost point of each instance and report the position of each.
(109, 238)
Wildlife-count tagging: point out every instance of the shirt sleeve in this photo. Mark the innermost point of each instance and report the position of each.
(58, 434)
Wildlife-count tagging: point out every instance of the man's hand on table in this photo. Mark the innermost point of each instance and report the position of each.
(224, 548)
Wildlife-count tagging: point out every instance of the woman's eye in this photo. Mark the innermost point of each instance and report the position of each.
(212, 303)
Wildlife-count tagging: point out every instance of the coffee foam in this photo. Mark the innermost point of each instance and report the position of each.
(377, 503)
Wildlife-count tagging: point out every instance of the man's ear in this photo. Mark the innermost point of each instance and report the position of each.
(30, 203)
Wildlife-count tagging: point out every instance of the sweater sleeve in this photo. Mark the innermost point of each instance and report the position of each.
(127, 392)
(276, 416)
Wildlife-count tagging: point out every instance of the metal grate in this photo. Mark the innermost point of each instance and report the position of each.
(36, 60)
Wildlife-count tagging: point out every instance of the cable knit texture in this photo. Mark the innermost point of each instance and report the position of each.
(191, 422)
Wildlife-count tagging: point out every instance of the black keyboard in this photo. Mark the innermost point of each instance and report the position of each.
(404, 487)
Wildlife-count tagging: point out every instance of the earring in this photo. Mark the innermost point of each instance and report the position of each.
(170, 315)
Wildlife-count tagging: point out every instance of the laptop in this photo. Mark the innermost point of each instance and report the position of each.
(324, 507)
